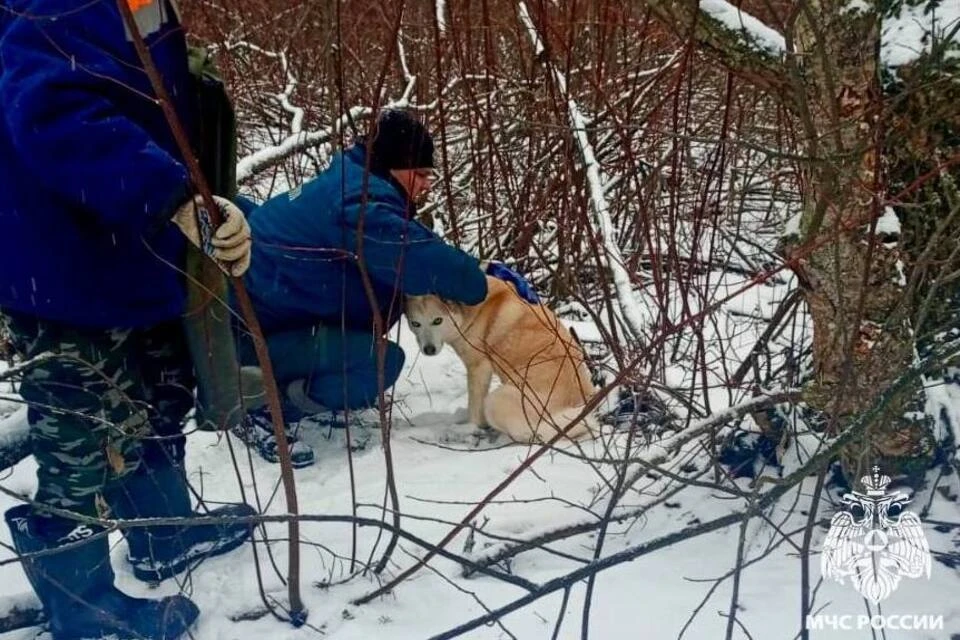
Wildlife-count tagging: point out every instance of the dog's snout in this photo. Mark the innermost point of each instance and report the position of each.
(430, 349)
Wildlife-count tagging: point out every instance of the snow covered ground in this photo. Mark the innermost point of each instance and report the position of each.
(652, 597)
(681, 591)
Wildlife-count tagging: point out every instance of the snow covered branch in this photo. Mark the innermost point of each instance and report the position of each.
(441, 6)
(299, 140)
(595, 182)
(751, 30)
(12, 373)
(249, 166)
(296, 121)
(409, 77)
(740, 41)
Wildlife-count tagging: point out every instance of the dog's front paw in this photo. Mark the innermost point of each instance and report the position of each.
(468, 433)
(483, 433)
(453, 435)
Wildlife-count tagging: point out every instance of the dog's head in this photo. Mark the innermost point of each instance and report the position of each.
(433, 321)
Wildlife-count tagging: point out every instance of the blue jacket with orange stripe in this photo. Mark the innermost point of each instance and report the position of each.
(90, 170)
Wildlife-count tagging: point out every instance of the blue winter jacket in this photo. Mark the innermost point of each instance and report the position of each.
(305, 267)
(89, 171)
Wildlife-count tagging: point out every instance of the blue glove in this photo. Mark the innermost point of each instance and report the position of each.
(505, 273)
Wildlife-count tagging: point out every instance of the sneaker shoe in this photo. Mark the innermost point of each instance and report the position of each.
(256, 430)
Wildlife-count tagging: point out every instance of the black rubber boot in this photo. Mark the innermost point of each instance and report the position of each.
(76, 587)
(159, 490)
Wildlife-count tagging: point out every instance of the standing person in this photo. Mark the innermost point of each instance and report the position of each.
(306, 281)
(97, 208)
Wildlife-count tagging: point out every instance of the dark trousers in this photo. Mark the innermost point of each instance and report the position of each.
(339, 366)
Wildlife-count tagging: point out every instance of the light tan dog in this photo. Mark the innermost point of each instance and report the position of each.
(545, 381)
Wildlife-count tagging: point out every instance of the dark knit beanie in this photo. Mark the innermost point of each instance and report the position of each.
(401, 142)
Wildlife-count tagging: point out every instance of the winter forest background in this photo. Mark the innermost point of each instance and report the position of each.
(749, 216)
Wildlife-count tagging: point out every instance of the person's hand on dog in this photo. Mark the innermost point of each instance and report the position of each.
(229, 245)
(501, 271)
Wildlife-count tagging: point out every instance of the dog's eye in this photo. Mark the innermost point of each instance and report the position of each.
(415, 325)
(437, 321)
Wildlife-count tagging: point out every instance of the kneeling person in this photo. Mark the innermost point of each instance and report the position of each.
(317, 248)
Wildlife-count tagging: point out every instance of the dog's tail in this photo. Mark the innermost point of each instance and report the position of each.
(589, 427)
(506, 411)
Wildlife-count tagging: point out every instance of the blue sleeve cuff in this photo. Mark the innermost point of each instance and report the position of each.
(176, 199)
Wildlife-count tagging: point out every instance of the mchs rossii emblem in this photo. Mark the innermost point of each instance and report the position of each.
(875, 542)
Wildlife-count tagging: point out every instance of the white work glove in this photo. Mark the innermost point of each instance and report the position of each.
(229, 245)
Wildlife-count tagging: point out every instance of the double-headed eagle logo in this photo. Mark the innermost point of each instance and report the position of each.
(875, 542)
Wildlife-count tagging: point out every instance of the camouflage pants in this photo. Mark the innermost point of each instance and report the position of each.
(105, 402)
